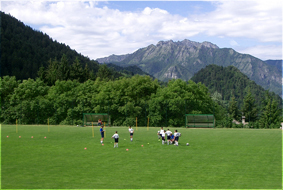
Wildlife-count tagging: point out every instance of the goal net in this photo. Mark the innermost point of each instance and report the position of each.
(200, 120)
(90, 119)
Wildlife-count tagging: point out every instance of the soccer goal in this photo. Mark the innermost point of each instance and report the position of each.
(90, 119)
(200, 120)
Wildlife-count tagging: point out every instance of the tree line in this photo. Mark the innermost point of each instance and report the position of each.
(33, 101)
(64, 70)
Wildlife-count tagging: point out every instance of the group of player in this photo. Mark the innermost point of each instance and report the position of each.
(171, 138)
(115, 136)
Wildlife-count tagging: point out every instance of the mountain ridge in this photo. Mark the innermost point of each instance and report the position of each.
(165, 60)
(276, 63)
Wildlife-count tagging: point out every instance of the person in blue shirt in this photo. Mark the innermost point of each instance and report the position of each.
(172, 138)
(102, 134)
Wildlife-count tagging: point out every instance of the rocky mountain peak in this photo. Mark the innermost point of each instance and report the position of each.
(162, 43)
(187, 43)
(209, 45)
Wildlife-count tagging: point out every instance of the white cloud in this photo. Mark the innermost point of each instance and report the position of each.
(264, 52)
(98, 32)
(261, 20)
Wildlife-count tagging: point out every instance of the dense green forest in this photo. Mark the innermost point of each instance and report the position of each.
(230, 81)
(33, 102)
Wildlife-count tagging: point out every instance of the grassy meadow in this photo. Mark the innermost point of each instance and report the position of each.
(215, 159)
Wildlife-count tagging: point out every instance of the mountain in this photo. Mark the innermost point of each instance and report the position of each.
(230, 81)
(165, 61)
(276, 63)
(113, 58)
(182, 59)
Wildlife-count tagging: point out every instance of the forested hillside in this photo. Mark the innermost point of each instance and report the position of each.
(26, 53)
(24, 50)
(229, 81)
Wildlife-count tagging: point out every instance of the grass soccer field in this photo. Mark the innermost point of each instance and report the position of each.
(215, 159)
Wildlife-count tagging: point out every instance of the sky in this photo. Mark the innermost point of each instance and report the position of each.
(98, 29)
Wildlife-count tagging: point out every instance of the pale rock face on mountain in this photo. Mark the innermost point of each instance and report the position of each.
(171, 60)
(171, 73)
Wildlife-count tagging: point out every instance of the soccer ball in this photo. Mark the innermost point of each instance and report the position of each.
(187, 144)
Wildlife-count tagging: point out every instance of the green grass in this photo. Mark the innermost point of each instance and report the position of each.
(215, 159)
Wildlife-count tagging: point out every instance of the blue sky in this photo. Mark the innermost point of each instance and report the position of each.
(182, 8)
(101, 28)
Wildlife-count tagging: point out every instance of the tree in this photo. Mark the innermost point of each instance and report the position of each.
(76, 71)
(125, 98)
(63, 96)
(24, 103)
(169, 104)
(63, 69)
(270, 113)
(233, 109)
(52, 72)
(41, 73)
(217, 97)
(88, 74)
(249, 108)
(8, 84)
(104, 72)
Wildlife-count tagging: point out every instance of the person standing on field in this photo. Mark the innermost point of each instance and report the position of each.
(176, 137)
(102, 134)
(168, 133)
(163, 137)
(99, 123)
(131, 131)
(160, 132)
(116, 138)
